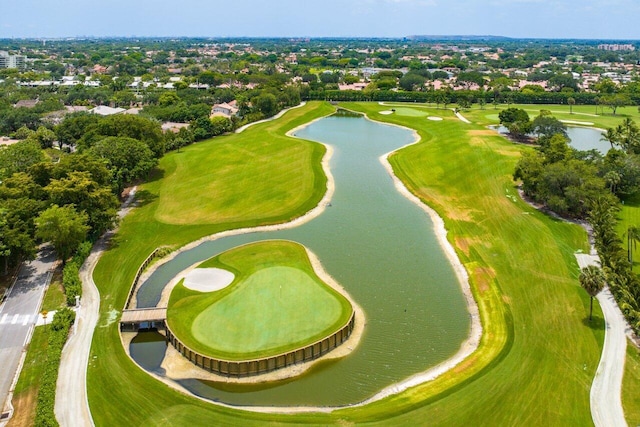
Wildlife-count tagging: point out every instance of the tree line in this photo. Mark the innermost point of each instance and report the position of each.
(587, 186)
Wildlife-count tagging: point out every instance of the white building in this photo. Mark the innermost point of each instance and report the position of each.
(224, 110)
(11, 61)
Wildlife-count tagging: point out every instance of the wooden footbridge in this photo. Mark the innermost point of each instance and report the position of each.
(143, 318)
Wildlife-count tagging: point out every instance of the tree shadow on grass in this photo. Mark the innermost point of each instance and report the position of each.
(155, 175)
(596, 323)
(144, 197)
(633, 201)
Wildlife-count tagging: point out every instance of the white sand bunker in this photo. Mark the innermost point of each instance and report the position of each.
(577, 122)
(434, 118)
(208, 279)
(386, 112)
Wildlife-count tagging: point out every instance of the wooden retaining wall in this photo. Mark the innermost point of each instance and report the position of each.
(134, 285)
(247, 368)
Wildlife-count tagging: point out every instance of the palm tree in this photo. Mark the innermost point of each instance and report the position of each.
(633, 237)
(611, 136)
(613, 178)
(592, 280)
(571, 101)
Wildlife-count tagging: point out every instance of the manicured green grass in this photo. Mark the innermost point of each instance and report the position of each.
(280, 172)
(585, 114)
(276, 304)
(54, 298)
(537, 356)
(410, 112)
(631, 386)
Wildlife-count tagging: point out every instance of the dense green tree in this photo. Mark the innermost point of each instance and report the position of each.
(82, 162)
(266, 103)
(74, 126)
(19, 157)
(127, 125)
(43, 136)
(516, 120)
(622, 172)
(128, 159)
(410, 82)
(5, 248)
(545, 126)
(86, 195)
(64, 227)
(561, 82)
(616, 100)
(221, 125)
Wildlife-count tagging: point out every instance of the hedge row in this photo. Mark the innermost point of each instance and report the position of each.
(58, 333)
(452, 97)
(616, 261)
(70, 275)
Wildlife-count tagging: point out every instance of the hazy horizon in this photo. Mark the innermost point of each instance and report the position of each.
(538, 19)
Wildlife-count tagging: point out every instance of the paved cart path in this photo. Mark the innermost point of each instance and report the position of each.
(72, 404)
(606, 389)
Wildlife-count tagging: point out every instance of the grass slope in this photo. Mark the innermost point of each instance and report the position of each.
(537, 356)
(631, 386)
(276, 304)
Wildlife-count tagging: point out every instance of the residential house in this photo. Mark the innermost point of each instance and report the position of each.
(224, 110)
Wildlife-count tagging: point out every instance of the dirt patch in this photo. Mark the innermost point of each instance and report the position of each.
(463, 244)
(466, 364)
(459, 214)
(24, 409)
(483, 277)
(482, 132)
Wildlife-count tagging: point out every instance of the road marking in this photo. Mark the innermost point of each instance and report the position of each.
(4, 318)
(26, 320)
(15, 319)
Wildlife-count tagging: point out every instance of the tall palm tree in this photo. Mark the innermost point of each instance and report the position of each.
(633, 237)
(592, 280)
(571, 101)
(612, 137)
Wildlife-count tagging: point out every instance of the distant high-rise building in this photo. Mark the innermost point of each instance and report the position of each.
(12, 61)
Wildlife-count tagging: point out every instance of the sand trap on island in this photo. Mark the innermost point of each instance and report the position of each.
(208, 279)
(386, 112)
(434, 118)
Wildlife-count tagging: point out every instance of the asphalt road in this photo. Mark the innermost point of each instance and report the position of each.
(19, 313)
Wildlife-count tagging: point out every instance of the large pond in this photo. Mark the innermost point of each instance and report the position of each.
(582, 138)
(382, 249)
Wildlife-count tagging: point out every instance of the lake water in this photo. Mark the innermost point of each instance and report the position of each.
(582, 138)
(382, 249)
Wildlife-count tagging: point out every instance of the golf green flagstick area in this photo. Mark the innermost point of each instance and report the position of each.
(537, 356)
(276, 304)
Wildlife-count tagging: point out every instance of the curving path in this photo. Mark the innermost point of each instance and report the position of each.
(72, 404)
(605, 396)
(606, 399)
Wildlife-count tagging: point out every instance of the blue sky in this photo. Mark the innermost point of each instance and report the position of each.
(616, 19)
